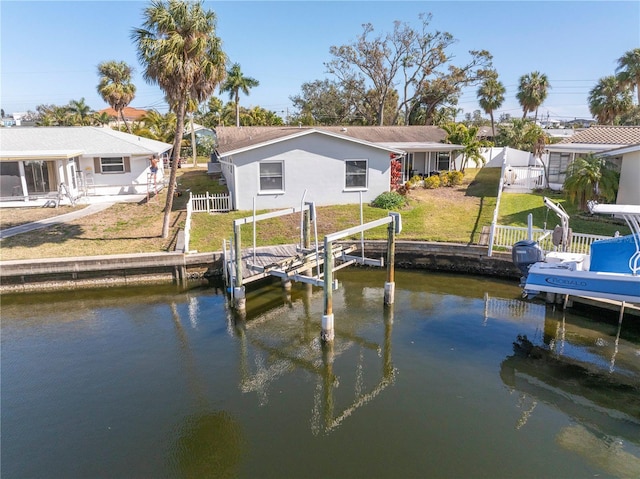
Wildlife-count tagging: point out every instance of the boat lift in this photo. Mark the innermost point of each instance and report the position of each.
(331, 256)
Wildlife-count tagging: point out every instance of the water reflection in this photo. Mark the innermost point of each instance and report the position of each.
(458, 378)
(272, 347)
(574, 369)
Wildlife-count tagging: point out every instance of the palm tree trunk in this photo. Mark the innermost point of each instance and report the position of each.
(193, 142)
(125, 121)
(175, 156)
(493, 126)
(237, 110)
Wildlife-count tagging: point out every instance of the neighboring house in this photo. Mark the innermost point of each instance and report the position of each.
(129, 113)
(629, 188)
(88, 160)
(333, 165)
(605, 140)
(9, 121)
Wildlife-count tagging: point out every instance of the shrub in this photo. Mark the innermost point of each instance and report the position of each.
(389, 200)
(432, 182)
(444, 178)
(455, 178)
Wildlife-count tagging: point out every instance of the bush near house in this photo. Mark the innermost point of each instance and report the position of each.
(432, 182)
(389, 200)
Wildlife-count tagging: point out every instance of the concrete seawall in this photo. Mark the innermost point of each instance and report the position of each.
(102, 271)
(118, 270)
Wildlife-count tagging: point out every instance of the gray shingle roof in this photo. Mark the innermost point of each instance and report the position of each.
(233, 138)
(88, 139)
(606, 135)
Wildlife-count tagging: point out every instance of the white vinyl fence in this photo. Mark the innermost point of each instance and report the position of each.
(524, 178)
(507, 236)
(208, 203)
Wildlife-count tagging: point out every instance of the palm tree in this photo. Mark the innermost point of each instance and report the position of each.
(608, 100)
(590, 178)
(181, 53)
(460, 134)
(629, 70)
(234, 84)
(100, 119)
(158, 126)
(491, 97)
(532, 92)
(81, 110)
(115, 86)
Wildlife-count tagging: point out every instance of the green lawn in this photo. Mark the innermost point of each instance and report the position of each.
(446, 215)
(515, 208)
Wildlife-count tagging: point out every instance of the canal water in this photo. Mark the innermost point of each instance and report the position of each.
(459, 379)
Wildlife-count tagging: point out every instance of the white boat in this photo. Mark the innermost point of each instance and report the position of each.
(610, 271)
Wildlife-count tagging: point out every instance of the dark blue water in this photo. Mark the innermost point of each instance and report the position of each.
(459, 379)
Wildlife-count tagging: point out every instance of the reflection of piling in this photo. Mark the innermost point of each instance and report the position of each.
(387, 368)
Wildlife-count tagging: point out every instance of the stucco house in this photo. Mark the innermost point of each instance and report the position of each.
(618, 144)
(34, 162)
(629, 188)
(333, 165)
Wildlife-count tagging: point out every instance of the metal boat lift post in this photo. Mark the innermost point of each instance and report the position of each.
(239, 301)
(394, 222)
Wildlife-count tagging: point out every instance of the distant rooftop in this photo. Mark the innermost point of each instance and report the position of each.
(606, 135)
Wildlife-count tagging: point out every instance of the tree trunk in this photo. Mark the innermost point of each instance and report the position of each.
(237, 110)
(193, 143)
(493, 127)
(125, 122)
(175, 156)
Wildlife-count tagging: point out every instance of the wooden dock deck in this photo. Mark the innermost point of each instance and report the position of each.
(264, 256)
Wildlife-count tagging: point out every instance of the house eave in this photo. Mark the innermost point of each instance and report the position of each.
(39, 155)
(582, 147)
(410, 147)
(622, 151)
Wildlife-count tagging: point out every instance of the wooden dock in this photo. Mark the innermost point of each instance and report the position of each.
(264, 257)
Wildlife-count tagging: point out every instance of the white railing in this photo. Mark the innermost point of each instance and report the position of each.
(209, 203)
(523, 177)
(507, 236)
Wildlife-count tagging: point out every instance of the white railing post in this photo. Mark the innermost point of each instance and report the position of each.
(494, 221)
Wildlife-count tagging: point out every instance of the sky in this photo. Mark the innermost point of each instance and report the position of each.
(50, 50)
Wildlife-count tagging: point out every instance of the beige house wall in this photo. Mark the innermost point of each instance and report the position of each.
(629, 191)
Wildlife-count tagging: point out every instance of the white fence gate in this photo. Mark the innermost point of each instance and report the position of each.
(522, 178)
(208, 202)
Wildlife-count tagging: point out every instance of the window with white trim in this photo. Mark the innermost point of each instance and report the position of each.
(112, 165)
(355, 174)
(443, 161)
(272, 176)
(558, 165)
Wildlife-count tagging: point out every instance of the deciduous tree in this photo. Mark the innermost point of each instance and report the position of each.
(413, 62)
